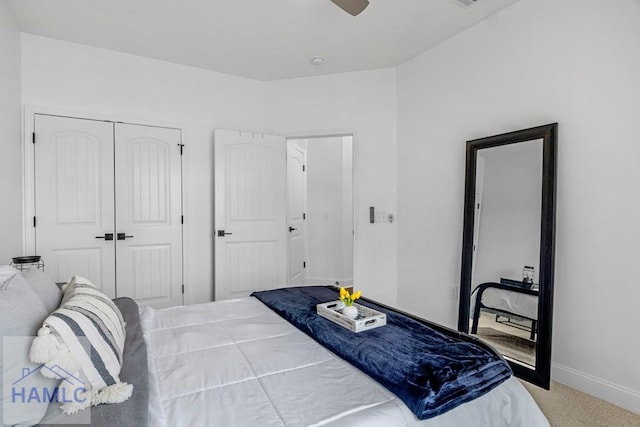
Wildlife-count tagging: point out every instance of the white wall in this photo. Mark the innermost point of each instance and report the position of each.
(539, 61)
(324, 207)
(329, 222)
(347, 209)
(363, 103)
(10, 142)
(61, 74)
(77, 77)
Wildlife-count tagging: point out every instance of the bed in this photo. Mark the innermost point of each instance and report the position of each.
(509, 300)
(238, 363)
(241, 354)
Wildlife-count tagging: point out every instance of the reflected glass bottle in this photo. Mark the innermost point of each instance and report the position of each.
(528, 272)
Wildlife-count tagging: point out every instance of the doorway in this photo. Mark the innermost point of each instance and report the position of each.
(283, 211)
(320, 210)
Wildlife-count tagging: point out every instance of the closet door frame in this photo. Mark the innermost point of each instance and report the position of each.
(28, 162)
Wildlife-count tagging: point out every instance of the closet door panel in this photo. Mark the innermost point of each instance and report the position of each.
(148, 214)
(74, 201)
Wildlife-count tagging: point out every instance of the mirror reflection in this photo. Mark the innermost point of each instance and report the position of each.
(506, 249)
(320, 210)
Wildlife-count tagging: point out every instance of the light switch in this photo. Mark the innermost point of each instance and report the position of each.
(382, 216)
(376, 216)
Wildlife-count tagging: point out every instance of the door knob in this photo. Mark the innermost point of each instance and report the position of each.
(292, 229)
(222, 233)
(122, 236)
(107, 236)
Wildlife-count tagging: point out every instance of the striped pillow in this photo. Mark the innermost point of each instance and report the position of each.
(84, 338)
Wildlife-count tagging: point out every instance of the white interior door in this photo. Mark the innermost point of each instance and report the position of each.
(250, 213)
(149, 214)
(74, 204)
(296, 208)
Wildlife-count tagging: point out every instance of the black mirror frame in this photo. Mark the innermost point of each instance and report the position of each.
(541, 375)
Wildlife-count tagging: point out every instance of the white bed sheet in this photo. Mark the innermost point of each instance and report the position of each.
(237, 363)
(514, 302)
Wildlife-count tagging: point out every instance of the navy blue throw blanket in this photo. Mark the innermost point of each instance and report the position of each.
(429, 371)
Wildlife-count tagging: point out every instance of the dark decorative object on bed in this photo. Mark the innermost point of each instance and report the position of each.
(430, 371)
(546, 137)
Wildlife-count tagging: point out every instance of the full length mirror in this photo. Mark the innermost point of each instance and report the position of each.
(507, 261)
(320, 210)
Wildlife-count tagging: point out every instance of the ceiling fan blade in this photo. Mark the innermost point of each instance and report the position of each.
(354, 7)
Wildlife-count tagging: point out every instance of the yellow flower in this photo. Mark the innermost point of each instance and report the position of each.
(348, 298)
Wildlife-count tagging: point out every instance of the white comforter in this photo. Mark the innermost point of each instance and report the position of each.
(237, 363)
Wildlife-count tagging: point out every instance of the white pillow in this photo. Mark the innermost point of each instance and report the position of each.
(6, 273)
(84, 338)
(21, 313)
(46, 289)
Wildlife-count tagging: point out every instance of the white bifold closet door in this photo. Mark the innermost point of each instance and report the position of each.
(148, 214)
(74, 204)
(108, 206)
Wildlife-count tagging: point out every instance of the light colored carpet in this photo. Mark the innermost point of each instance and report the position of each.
(511, 346)
(566, 407)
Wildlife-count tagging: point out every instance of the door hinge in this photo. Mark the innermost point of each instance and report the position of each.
(304, 216)
(33, 137)
(304, 168)
(304, 264)
(183, 289)
(34, 222)
(181, 148)
(181, 219)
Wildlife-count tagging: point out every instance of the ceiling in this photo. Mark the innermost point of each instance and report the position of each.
(258, 39)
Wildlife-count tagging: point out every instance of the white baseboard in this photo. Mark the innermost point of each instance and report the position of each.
(616, 394)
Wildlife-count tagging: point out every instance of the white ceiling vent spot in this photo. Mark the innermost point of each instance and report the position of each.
(317, 61)
(465, 3)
